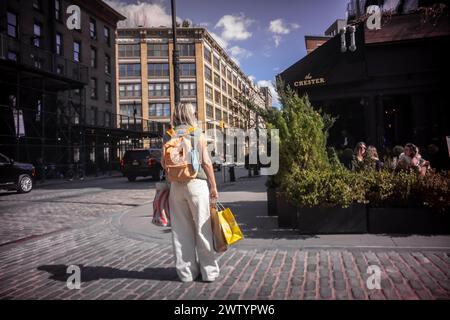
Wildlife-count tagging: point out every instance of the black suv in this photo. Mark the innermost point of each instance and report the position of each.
(142, 163)
(15, 175)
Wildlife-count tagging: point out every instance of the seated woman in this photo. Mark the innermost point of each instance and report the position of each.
(358, 157)
(372, 155)
(411, 159)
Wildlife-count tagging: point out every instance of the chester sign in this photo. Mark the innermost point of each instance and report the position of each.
(309, 81)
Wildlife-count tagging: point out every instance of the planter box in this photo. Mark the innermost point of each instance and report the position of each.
(272, 202)
(287, 213)
(408, 221)
(352, 220)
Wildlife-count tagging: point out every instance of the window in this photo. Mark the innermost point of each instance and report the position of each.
(37, 4)
(130, 70)
(129, 90)
(216, 63)
(230, 90)
(92, 29)
(209, 111)
(58, 10)
(217, 97)
(228, 74)
(158, 90)
(107, 91)
(187, 70)
(217, 79)
(224, 70)
(157, 70)
(107, 64)
(12, 56)
(93, 57)
(234, 80)
(187, 49)
(37, 32)
(224, 101)
(94, 113)
(158, 50)
(218, 114)
(208, 74)
(224, 86)
(128, 110)
(93, 88)
(161, 109)
(188, 89)
(209, 92)
(59, 44)
(207, 54)
(12, 25)
(107, 35)
(76, 51)
(107, 119)
(129, 50)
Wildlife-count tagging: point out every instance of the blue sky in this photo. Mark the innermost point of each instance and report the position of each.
(264, 36)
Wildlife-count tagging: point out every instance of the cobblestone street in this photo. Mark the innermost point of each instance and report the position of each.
(104, 226)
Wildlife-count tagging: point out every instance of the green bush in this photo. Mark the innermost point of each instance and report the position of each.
(331, 187)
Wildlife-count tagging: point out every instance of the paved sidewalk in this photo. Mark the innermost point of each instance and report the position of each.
(124, 256)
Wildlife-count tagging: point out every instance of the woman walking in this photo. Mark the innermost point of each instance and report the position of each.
(189, 202)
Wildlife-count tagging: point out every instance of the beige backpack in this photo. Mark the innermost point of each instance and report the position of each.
(177, 157)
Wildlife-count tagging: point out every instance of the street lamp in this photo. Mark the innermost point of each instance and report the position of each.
(176, 60)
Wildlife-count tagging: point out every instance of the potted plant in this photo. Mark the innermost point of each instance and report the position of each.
(405, 203)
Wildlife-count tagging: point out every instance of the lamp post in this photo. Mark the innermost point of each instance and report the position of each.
(176, 59)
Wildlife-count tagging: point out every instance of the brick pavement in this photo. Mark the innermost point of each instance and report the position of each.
(117, 265)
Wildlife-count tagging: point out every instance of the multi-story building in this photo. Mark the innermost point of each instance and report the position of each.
(60, 82)
(210, 79)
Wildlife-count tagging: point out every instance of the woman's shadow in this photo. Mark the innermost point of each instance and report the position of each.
(60, 273)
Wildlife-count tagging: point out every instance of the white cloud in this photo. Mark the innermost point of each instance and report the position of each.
(234, 27)
(252, 78)
(142, 14)
(240, 53)
(279, 28)
(268, 83)
(277, 39)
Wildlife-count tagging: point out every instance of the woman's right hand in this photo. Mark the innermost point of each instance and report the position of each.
(213, 194)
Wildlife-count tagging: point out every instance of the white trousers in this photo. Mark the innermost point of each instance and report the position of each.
(191, 231)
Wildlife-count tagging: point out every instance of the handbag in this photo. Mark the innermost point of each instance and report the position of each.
(161, 207)
(230, 228)
(219, 242)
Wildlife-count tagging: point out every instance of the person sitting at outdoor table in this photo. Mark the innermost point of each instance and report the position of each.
(372, 155)
(358, 157)
(411, 159)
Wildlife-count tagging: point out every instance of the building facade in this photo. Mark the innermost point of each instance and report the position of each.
(389, 91)
(210, 79)
(58, 96)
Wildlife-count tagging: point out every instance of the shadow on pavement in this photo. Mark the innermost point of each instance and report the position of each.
(255, 223)
(58, 273)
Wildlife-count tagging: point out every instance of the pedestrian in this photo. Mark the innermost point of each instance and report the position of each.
(189, 203)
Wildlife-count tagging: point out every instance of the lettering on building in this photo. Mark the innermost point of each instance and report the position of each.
(309, 81)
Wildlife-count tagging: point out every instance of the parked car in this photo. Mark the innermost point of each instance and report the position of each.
(16, 175)
(142, 163)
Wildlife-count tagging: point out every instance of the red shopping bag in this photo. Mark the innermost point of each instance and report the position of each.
(161, 207)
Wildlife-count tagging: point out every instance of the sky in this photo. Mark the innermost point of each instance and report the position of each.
(264, 37)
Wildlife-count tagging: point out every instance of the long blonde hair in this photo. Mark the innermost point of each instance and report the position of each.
(184, 114)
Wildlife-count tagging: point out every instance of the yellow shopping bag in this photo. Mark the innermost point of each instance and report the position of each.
(230, 228)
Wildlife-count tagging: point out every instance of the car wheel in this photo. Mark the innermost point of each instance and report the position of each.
(25, 184)
(131, 179)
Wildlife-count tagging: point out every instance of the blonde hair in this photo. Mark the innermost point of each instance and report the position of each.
(184, 114)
